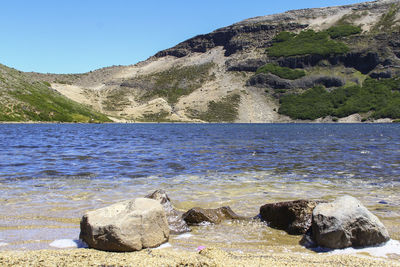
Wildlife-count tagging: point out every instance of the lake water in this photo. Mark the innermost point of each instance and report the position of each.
(50, 174)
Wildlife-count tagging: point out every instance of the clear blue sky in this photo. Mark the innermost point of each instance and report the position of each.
(74, 36)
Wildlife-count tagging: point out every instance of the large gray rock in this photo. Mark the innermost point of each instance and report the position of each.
(292, 216)
(176, 224)
(198, 215)
(126, 226)
(345, 222)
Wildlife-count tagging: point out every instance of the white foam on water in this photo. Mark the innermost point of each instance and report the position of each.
(68, 243)
(184, 236)
(165, 245)
(205, 224)
(2, 244)
(391, 247)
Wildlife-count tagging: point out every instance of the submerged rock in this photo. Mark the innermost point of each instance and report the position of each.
(292, 216)
(344, 223)
(126, 226)
(176, 224)
(199, 215)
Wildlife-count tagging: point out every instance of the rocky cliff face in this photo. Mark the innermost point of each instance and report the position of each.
(213, 77)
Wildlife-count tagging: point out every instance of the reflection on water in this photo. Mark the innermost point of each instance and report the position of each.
(51, 174)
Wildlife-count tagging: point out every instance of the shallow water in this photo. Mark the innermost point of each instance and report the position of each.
(51, 174)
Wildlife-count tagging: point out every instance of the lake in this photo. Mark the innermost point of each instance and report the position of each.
(50, 174)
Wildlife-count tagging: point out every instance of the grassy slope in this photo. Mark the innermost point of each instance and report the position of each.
(380, 98)
(23, 100)
(177, 82)
(223, 110)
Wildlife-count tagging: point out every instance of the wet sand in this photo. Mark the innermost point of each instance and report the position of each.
(170, 257)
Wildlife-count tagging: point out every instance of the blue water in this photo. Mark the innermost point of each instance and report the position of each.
(367, 151)
(51, 174)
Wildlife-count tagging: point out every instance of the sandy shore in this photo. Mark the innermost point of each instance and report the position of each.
(170, 257)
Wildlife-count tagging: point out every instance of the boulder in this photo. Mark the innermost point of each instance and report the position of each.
(345, 222)
(199, 215)
(176, 224)
(294, 217)
(126, 226)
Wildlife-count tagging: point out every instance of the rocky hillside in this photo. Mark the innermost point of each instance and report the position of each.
(23, 98)
(326, 64)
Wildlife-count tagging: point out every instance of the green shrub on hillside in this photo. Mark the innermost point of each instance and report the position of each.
(381, 97)
(46, 83)
(388, 20)
(283, 72)
(343, 30)
(24, 100)
(37, 102)
(177, 81)
(284, 36)
(155, 117)
(311, 105)
(306, 42)
(224, 110)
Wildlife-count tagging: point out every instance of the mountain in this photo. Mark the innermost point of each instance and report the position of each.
(325, 64)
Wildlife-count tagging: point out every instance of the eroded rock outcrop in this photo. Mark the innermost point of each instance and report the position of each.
(292, 216)
(126, 226)
(199, 215)
(233, 38)
(250, 65)
(345, 222)
(272, 81)
(176, 224)
(362, 61)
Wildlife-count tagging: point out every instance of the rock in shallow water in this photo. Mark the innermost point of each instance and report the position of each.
(176, 224)
(199, 215)
(126, 226)
(292, 216)
(344, 223)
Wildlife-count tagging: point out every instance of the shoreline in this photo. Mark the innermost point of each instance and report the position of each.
(171, 257)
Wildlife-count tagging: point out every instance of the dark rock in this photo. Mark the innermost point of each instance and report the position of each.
(293, 216)
(383, 202)
(311, 81)
(394, 43)
(175, 222)
(233, 39)
(345, 222)
(199, 215)
(361, 61)
(300, 61)
(307, 240)
(272, 81)
(381, 74)
(269, 80)
(251, 65)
